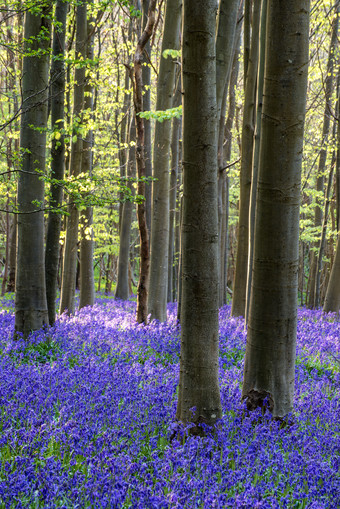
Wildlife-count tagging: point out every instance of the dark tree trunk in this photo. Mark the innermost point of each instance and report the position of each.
(270, 353)
(57, 157)
(199, 395)
(67, 298)
(143, 283)
(30, 298)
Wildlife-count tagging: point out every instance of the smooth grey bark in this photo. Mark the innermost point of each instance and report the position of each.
(199, 394)
(57, 89)
(175, 137)
(256, 153)
(147, 123)
(240, 278)
(225, 37)
(332, 297)
(67, 297)
(30, 296)
(224, 155)
(161, 162)
(12, 254)
(320, 181)
(271, 341)
(144, 269)
(122, 288)
(86, 274)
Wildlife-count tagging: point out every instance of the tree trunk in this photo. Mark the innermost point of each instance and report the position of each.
(57, 158)
(161, 158)
(12, 254)
(30, 298)
(320, 181)
(143, 283)
(146, 72)
(271, 342)
(86, 296)
(175, 136)
(256, 153)
(199, 395)
(122, 288)
(67, 298)
(240, 279)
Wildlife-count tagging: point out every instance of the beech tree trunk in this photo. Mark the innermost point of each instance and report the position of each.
(240, 278)
(271, 342)
(57, 157)
(320, 181)
(122, 288)
(256, 151)
(86, 276)
(199, 395)
(30, 296)
(143, 283)
(67, 298)
(146, 74)
(161, 162)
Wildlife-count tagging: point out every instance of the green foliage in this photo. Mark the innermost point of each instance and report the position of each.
(162, 115)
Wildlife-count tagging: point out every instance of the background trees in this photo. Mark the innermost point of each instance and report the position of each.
(87, 90)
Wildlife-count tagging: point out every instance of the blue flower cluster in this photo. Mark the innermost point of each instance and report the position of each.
(87, 410)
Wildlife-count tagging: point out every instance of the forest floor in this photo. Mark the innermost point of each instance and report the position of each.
(87, 411)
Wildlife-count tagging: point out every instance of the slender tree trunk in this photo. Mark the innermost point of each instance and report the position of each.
(12, 254)
(256, 153)
(161, 159)
(199, 395)
(143, 283)
(270, 352)
(86, 297)
(146, 72)
(240, 279)
(30, 298)
(320, 181)
(67, 298)
(57, 157)
(122, 288)
(175, 136)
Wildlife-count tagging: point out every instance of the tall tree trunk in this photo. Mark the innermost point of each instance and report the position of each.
(161, 159)
(240, 278)
(67, 298)
(146, 72)
(143, 283)
(175, 136)
(30, 297)
(86, 296)
(199, 395)
(57, 157)
(256, 153)
(12, 255)
(223, 181)
(320, 181)
(122, 288)
(271, 342)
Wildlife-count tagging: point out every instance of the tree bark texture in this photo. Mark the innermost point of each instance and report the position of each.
(87, 292)
(175, 137)
(67, 298)
(57, 157)
(146, 75)
(271, 342)
(143, 283)
(320, 181)
(256, 151)
(30, 297)
(161, 163)
(240, 278)
(122, 288)
(199, 395)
